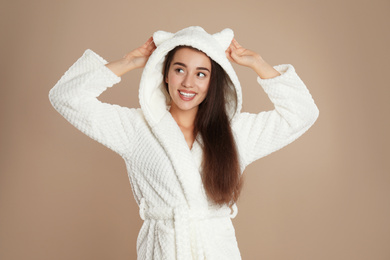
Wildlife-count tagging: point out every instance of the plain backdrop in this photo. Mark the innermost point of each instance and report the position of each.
(326, 196)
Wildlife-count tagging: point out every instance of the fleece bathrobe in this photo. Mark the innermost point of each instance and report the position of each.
(180, 222)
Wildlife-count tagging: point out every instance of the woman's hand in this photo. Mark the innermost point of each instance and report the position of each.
(238, 54)
(134, 59)
(140, 56)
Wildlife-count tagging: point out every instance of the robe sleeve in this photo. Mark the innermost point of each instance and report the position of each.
(294, 113)
(74, 96)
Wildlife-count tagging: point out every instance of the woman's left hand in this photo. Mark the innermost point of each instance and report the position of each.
(238, 54)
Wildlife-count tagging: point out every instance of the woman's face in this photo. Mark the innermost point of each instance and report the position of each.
(188, 79)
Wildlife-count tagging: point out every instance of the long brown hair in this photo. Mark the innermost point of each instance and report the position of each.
(221, 175)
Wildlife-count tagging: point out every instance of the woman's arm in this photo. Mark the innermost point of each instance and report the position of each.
(295, 111)
(75, 97)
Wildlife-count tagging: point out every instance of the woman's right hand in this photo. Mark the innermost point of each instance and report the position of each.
(140, 56)
(134, 59)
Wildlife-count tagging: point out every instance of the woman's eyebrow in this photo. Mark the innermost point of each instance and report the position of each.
(198, 68)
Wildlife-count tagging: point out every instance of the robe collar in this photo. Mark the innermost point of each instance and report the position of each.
(173, 142)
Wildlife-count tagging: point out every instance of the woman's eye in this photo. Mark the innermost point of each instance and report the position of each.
(201, 74)
(179, 70)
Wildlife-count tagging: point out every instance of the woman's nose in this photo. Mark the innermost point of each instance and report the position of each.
(187, 82)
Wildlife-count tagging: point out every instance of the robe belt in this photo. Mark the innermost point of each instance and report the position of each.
(182, 217)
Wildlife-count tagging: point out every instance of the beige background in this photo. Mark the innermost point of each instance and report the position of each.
(326, 196)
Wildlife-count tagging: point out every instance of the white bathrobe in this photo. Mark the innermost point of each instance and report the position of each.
(180, 222)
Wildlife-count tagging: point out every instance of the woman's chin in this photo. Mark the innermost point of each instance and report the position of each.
(184, 107)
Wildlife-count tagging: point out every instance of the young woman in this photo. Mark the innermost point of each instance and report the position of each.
(186, 147)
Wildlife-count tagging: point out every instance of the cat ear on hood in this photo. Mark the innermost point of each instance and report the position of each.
(224, 37)
(161, 36)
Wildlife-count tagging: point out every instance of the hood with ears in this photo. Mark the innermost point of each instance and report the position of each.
(152, 93)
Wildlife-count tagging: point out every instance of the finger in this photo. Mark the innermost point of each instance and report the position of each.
(233, 55)
(151, 46)
(234, 51)
(147, 43)
(236, 56)
(153, 49)
(230, 58)
(236, 44)
(227, 52)
(229, 55)
(231, 46)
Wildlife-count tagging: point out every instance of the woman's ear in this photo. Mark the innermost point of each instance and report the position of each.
(224, 37)
(161, 36)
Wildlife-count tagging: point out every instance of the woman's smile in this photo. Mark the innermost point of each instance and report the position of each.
(186, 95)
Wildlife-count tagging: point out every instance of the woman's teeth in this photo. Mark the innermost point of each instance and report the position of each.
(187, 94)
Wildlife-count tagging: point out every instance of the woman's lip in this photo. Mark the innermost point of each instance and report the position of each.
(186, 91)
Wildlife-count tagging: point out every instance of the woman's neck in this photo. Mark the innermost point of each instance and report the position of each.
(185, 119)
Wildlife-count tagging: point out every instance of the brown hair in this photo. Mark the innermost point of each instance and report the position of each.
(221, 173)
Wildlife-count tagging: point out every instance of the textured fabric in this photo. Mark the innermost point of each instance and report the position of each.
(180, 222)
